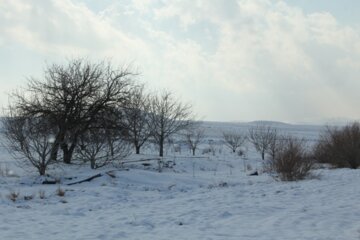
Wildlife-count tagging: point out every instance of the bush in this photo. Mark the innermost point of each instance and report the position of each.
(292, 161)
(13, 196)
(339, 147)
(60, 192)
(42, 194)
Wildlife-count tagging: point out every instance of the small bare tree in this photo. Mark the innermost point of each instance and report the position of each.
(193, 137)
(102, 147)
(167, 116)
(135, 118)
(263, 138)
(234, 140)
(29, 140)
(274, 146)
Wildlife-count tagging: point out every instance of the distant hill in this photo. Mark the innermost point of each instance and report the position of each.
(269, 123)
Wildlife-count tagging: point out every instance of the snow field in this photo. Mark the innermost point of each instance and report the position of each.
(211, 197)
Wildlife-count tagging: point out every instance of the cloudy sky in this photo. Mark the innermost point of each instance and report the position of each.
(234, 60)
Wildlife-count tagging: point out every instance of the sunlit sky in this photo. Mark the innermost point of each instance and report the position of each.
(292, 61)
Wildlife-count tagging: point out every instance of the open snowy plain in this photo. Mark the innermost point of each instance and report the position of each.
(211, 196)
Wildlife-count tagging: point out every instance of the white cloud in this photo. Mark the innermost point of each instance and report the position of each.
(65, 28)
(266, 58)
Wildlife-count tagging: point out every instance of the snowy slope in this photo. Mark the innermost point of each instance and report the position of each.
(210, 197)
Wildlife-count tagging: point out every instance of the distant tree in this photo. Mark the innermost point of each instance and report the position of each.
(234, 140)
(167, 116)
(193, 137)
(136, 118)
(29, 140)
(263, 138)
(275, 145)
(71, 97)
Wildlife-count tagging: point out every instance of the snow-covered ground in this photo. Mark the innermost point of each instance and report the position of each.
(208, 197)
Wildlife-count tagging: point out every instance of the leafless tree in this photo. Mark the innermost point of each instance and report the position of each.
(29, 140)
(234, 140)
(193, 137)
(71, 96)
(135, 118)
(275, 145)
(101, 147)
(167, 116)
(263, 139)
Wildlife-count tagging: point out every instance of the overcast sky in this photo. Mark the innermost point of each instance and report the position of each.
(293, 61)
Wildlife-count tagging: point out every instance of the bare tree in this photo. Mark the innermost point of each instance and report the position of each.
(29, 140)
(71, 97)
(101, 147)
(167, 116)
(234, 140)
(193, 137)
(263, 138)
(275, 145)
(135, 119)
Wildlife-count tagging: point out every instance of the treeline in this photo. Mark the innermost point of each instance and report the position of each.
(290, 158)
(88, 112)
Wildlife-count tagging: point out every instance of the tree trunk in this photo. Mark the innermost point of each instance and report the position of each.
(193, 151)
(263, 155)
(67, 155)
(137, 149)
(92, 163)
(42, 169)
(68, 152)
(161, 145)
(56, 146)
(54, 152)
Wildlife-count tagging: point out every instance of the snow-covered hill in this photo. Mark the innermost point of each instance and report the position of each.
(206, 197)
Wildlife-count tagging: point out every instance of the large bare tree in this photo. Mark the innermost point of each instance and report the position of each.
(71, 96)
(167, 116)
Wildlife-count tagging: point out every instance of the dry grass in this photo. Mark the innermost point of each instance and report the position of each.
(60, 192)
(13, 196)
(42, 194)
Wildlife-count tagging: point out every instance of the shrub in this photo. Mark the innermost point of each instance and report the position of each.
(60, 192)
(28, 197)
(339, 147)
(13, 196)
(42, 194)
(292, 161)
